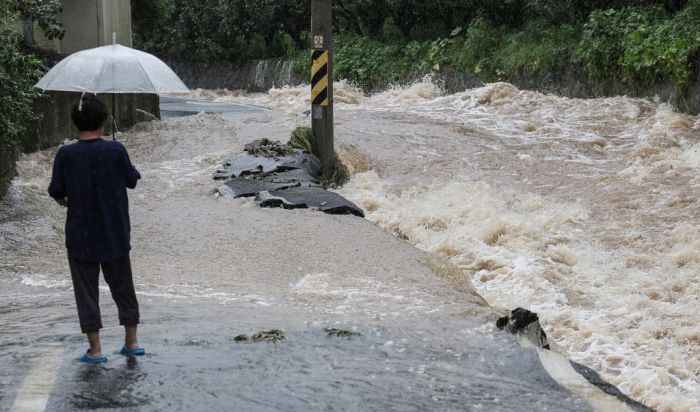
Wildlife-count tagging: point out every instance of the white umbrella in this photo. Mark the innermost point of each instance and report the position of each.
(112, 69)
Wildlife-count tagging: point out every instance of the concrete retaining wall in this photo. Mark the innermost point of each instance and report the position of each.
(56, 126)
(88, 24)
(257, 76)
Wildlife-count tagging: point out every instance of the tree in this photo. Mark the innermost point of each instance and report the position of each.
(18, 73)
(44, 12)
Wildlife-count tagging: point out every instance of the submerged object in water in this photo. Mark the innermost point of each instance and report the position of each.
(523, 321)
(274, 335)
(341, 333)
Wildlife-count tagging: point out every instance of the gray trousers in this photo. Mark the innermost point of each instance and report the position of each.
(117, 274)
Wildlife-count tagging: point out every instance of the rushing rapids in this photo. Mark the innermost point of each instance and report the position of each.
(585, 211)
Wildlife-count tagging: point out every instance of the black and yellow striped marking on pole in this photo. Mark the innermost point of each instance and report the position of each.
(319, 78)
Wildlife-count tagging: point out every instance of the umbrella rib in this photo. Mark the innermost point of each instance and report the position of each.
(96, 80)
(153, 87)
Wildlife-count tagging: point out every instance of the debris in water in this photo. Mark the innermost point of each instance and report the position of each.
(280, 176)
(340, 333)
(274, 336)
(269, 148)
(316, 198)
(522, 321)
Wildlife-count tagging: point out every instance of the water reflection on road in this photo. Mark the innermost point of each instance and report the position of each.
(208, 269)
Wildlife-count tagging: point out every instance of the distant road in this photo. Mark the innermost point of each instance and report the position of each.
(176, 106)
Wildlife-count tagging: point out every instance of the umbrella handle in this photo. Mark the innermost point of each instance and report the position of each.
(114, 120)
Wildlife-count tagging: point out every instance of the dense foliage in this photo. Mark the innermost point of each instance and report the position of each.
(379, 42)
(44, 12)
(482, 50)
(18, 73)
(641, 43)
(211, 30)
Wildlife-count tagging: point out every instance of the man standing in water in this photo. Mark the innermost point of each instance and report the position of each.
(90, 178)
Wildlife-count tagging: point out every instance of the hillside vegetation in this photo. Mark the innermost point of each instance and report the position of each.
(382, 42)
(19, 68)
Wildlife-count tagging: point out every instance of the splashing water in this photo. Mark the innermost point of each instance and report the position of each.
(584, 211)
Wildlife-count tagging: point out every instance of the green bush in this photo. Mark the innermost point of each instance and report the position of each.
(44, 12)
(536, 48)
(481, 40)
(383, 42)
(302, 138)
(662, 50)
(220, 30)
(484, 50)
(373, 64)
(602, 42)
(18, 74)
(641, 44)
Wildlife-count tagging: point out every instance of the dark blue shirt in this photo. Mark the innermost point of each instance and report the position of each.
(93, 176)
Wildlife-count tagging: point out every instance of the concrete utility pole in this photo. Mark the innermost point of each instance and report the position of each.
(322, 84)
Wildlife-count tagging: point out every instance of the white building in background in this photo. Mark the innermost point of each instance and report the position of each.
(88, 24)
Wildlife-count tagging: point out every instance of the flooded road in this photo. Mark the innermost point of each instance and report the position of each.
(585, 211)
(208, 269)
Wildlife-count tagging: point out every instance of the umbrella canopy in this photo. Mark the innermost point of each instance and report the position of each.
(112, 69)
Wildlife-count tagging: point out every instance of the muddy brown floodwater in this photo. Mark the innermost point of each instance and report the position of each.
(209, 269)
(584, 211)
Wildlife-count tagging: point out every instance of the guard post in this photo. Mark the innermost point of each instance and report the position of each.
(322, 84)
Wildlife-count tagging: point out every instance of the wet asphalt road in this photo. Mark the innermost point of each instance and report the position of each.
(193, 363)
(210, 270)
(177, 106)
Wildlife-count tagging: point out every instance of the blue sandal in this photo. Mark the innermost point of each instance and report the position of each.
(132, 352)
(94, 360)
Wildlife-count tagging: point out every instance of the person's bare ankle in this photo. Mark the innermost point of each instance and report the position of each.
(130, 339)
(94, 342)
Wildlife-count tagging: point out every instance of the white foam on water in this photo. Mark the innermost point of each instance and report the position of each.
(618, 289)
(176, 174)
(343, 294)
(291, 100)
(190, 291)
(614, 278)
(416, 93)
(522, 250)
(45, 281)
